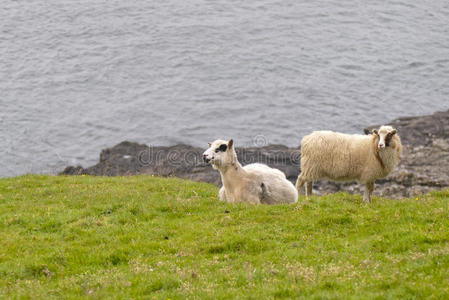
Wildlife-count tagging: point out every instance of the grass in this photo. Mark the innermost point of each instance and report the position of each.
(146, 237)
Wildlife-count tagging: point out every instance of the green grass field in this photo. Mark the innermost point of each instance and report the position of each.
(146, 237)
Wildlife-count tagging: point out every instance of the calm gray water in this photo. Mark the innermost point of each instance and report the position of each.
(78, 76)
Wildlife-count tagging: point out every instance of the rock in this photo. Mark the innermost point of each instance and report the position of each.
(424, 166)
(182, 161)
(421, 131)
(70, 170)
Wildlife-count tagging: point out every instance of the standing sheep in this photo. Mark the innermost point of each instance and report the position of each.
(254, 183)
(344, 157)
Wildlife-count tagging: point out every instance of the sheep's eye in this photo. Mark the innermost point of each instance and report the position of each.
(388, 139)
(222, 148)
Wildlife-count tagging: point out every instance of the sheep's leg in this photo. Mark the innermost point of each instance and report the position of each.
(299, 184)
(222, 194)
(369, 187)
(253, 199)
(309, 188)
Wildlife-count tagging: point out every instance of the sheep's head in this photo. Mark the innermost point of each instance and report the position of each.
(385, 135)
(220, 153)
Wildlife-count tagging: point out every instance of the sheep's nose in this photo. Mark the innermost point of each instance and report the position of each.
(205, 158)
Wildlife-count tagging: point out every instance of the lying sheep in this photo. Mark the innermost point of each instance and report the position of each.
(344, 157)
(254, 183)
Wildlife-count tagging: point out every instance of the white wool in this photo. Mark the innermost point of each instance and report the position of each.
(348, 157)
(255, 183)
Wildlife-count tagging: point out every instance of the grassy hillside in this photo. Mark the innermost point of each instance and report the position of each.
(144, 237)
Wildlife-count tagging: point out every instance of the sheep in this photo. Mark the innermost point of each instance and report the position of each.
(344, 157)
(254, 183)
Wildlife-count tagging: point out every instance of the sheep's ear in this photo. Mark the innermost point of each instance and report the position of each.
(209, 144)
(393, 132)
(230, 144)
(375, 132)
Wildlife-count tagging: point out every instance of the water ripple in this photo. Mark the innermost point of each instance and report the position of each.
(77, 76)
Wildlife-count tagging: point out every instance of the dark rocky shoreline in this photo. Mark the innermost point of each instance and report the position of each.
(424, 166)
